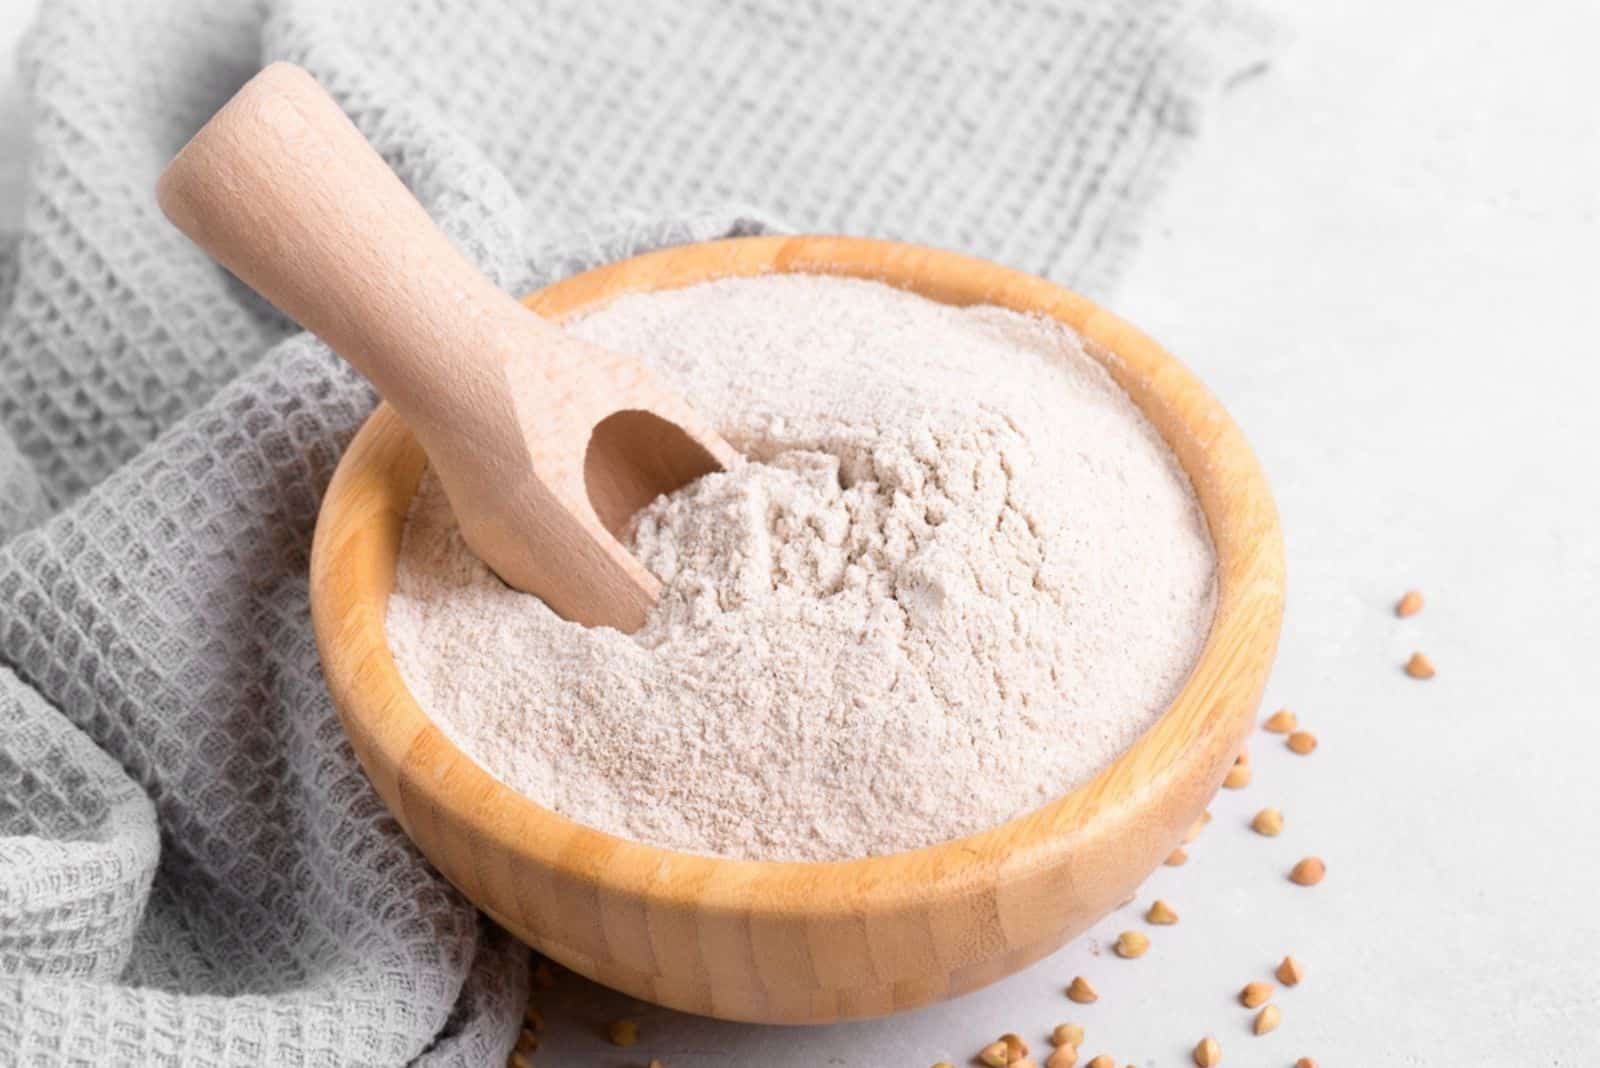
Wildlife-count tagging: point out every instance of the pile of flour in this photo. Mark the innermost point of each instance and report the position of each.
(957, 575)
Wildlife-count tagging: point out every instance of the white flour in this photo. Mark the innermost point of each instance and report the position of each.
(960, 574)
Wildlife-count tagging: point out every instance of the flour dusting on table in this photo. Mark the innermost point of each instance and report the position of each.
(957, 575)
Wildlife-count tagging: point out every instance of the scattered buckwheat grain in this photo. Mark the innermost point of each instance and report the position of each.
(994, 1055)
(1267, 1020)
(1409, 605)
(1305, 1062)
(1254, 995)
(1177, 858)
(527, 1042)
(1132, 944)
(1104, 1060)
(518, 1060)
(1238, 777)
(1308, 872)
(1290, 972)
(622, 1032)
(1016, 1049)
(1419, 667)
(1080, 991)
(1208, 1052)
(1161, 914)
(1269, 821)
(1281, 722)
(1302, 742)
(1067, 1034)
(1062, 1057)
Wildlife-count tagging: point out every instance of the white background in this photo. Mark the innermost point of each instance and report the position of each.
(1384, 256)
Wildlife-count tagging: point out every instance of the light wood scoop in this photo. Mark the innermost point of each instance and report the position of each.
(545, 444)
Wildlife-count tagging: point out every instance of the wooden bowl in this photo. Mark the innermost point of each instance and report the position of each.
(810, 942)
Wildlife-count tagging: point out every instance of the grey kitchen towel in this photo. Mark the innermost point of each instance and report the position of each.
(192, 867)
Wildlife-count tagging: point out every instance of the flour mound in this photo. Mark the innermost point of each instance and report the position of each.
(957, 574)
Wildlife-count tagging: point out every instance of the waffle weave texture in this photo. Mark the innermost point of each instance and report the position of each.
(193, 869)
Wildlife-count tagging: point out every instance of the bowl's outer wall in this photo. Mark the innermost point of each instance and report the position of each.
(810, 943)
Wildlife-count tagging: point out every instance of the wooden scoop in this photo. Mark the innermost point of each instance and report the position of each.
(545, 444)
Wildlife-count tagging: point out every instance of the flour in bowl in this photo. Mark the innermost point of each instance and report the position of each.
(957, 575)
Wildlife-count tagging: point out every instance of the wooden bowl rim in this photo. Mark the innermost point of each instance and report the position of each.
(383, 460)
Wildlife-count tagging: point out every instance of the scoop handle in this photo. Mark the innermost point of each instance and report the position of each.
(283, 190)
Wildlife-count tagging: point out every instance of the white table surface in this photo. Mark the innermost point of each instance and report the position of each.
(1385, 258)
